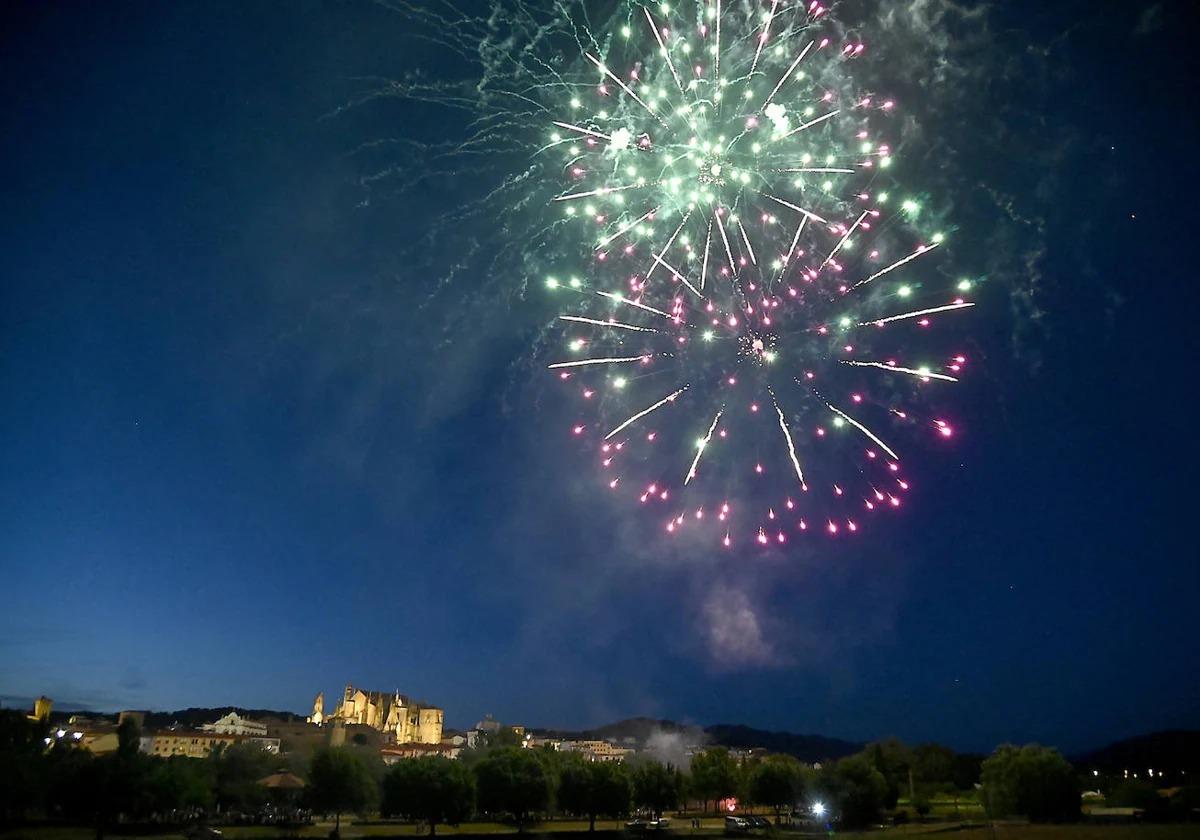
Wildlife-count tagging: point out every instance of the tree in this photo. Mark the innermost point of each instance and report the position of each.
(894, 761)
(21, 764)
(966, 770)
(714, 776)
(1031, 781)
(859, 790)
(933, 764)
(512, 781)
(338, 780)
(594, 788)
(656, 787)
(179, 783)
(236, 770)
(434, 790)
(777, 782)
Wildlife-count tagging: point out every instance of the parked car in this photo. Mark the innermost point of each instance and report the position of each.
(736, 825)
(643, 824)
(759, 823)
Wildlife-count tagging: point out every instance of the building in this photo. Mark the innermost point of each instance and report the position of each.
(200, 744)
(596, 750)
(536, 742)
(318, 715)
(41, 709)
(461, 740)
(407, 721)
(235, 724)
(402, 752)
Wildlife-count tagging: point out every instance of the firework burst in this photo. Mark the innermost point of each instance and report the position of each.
(756, 320)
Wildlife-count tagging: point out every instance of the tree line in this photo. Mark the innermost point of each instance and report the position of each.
(500, 781)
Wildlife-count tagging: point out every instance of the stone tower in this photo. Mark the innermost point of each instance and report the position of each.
(318, 713)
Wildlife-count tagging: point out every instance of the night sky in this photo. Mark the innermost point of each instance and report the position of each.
(249, 450)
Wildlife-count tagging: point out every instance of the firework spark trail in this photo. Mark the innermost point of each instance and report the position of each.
(916, 314)
(762, 40)
(667, 399)
(659, 258)
(922, 373)
(787, 435)
(811, 123)
(746, 239)
(589, 132)
(604, 191)
(717, 53)
(707, 248)
(624, 230)
(603, 69)
(609, 361)
(845, 238)
(599, 323)
(728, 250)
(807, 213)
(920, 252)
(786, 261)
(785, 76)
(819, 169)
(701, 446)
(862, 429)
(619, 298)
(665, 52)
(677, 274)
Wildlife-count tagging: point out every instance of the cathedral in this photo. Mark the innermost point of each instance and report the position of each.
(395, 714)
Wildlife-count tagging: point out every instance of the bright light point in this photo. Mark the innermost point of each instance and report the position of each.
(904, 291)
(551, 283)
(882, 198)
(845, 322)
(619, 382)
(938, 238)
(708, 335)
(839, 422)
(575, 103)
(964, 285)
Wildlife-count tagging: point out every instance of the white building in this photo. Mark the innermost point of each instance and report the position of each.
(235, 724)
(596, 750)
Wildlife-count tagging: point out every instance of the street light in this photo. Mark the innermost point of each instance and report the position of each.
(818, 809)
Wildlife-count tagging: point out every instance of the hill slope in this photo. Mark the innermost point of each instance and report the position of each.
(1172, 750)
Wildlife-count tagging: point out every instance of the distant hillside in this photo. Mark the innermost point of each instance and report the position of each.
(639, 731)
(1172, 750)
(808, 748)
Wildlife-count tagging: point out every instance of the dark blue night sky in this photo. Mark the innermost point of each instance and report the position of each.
(248, 452)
